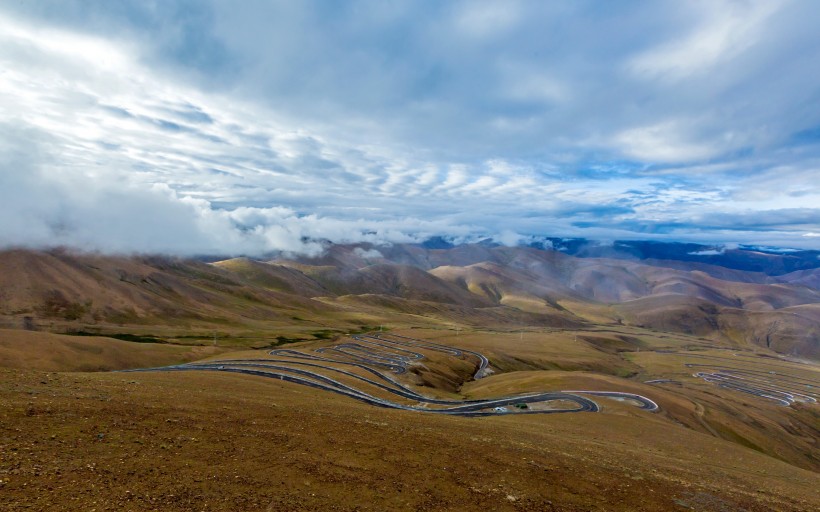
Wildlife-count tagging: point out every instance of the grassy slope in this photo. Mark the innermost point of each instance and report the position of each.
(223, 442)
(254, 302)
(477, 286)
(56, 352)
(623, 358)
(178, 441)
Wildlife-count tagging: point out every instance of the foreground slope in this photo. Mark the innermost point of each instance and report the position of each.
(208, 438)
(222, 442)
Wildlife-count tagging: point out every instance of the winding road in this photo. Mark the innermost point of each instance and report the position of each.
(771, 385)
(376, 362)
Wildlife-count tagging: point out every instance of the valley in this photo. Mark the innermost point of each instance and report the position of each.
(439, 256)
(530, 380)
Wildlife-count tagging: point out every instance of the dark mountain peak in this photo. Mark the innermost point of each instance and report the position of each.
(437, 242)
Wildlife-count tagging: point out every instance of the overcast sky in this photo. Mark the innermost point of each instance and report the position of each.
(225, 127)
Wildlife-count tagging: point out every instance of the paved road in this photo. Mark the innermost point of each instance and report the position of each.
(375, 361)
(644, 402)
(483, 363)
(776, 386)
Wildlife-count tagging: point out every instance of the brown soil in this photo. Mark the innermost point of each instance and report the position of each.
(167, 441)
(59, 352)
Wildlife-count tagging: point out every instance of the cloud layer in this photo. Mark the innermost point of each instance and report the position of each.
(207, 128)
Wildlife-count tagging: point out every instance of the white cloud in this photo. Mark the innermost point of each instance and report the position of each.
(487, 18)
(488, 119)
(368, 254)
(532, 83)
(669, 141)
(724, 30)
(509, 238)
(708, 252)
(106, 215)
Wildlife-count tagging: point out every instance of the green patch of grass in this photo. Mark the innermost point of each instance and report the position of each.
(368, 328)
(625, 373)
(325, 334)
(136, 338)
(55, 305)
(282, 340)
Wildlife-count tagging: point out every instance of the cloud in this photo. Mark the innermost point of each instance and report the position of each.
(721, 32)
(199, 127)
(487, 18)
(367, 254)
(708, 252)
(669, 141)
(509, 238)
(104, 215)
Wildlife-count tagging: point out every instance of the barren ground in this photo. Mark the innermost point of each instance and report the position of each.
(115, 441)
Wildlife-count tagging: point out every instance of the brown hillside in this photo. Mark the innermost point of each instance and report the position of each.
(61, 290)
(55, 352)
(273, 276)
(170, 442)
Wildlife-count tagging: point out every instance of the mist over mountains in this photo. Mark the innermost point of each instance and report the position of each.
(747, 296)
(766, 260)
(410, 255)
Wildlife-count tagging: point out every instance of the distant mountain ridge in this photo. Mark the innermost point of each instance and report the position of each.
(479, 285)
(756, 263)
(767, 260)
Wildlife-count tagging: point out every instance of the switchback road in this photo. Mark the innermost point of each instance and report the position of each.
(369, 369)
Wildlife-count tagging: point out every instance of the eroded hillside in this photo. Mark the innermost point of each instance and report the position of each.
(358, 287)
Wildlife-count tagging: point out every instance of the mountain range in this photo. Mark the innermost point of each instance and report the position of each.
(744, 296)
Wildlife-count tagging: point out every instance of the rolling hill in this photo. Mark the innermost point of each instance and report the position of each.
(351, 287)
(545, 320)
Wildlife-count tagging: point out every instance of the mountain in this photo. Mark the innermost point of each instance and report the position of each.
(767, 260)
(745, 435)
(479, 285)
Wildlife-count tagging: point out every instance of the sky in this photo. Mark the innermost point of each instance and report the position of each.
(245, 128)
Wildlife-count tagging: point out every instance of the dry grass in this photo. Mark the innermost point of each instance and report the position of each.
(224, 442)
(602, 359)
(197, 441)
(57, 352)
